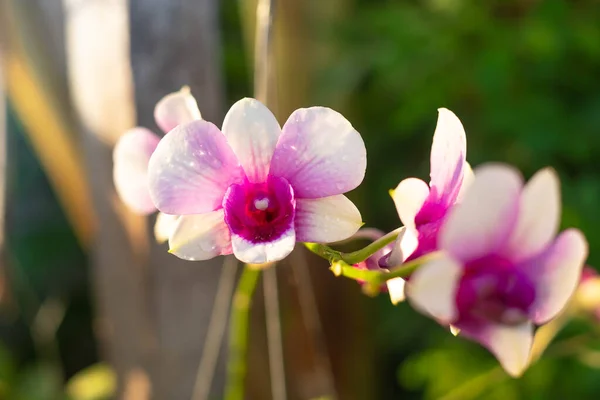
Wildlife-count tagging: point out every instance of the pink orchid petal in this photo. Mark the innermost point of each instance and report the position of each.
(539, 216)
(448, 156)
(164, 226)
(176, 109)
(130, 171)
(200, 236)
(468, 177)
(396, 289)
(432, 289)
(263, 252)
(511, 344)
(319, 153)
(406, 243)
(252, 132)
(481, 224)
(326, 220)
(556, 274)
(191, 169)
(409, 196)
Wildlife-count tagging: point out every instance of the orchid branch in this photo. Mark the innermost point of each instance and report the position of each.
(376, 278)
(238, 333)
(341, 263)
(374, 247)
(354, 257)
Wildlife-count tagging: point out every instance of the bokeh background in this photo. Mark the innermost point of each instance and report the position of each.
(84, 316)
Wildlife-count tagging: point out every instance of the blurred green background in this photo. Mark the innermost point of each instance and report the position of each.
(524, 78)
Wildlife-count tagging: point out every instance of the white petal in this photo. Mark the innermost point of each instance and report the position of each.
(510, 344)
(406, 243)
(176, 109)
(396, 290)
(164, 226)
(468, 177)
(432, 289)
(258, 253)
(556, 274)
(191, 169)
(448, 155)
(409, 196)
(130, 170)
(539, 216)
(326, 220)
(200, 236)
(252, 132)
(319, 153)
(482, 223)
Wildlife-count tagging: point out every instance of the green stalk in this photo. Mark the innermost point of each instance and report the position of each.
(355, 257)
(238, 333)
(342, 263)
(364, 253)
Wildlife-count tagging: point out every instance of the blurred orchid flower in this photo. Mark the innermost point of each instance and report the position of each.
(132, 154)
(587, 296)
(502, 270)
(255, 189)
(423, 208)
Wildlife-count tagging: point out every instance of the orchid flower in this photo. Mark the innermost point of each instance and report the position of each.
(132, 154)
(502, 270)
(254, 189)
(423, 208)
(587, 296)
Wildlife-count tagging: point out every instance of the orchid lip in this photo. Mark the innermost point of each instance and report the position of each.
(260, 212)
(493, 289)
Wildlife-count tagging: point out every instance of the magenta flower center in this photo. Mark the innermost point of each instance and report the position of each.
(492, 289)
(260, 212)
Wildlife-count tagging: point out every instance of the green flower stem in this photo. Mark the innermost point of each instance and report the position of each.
(324, 251)
(356, 256)
(406, 269)
(342, 263)
(376, 278)
(364, 253)
(238, 333)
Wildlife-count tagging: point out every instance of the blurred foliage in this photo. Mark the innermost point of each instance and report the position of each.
(522, 75)
(43, 381)
(97, 382)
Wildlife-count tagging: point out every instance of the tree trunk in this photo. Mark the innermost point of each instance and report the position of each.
(176, 43)
(154, 308)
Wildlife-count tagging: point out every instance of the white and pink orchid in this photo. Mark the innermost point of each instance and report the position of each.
(132, 154)
(501, 269)
(423, 208)
(254, 189)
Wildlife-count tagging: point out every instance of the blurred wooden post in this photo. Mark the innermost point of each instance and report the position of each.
(97, 44)
(153, 307)
(3, 129)
(176, 43)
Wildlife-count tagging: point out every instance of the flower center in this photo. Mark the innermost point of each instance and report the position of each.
(492, 289)
(260, 212)
(261, 204)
